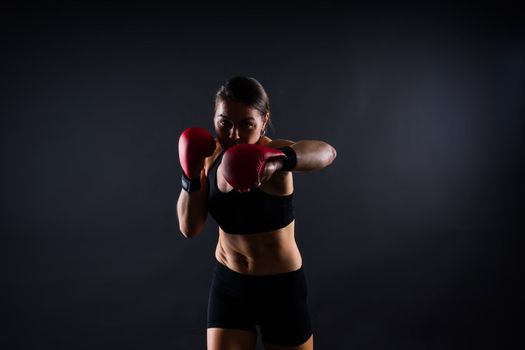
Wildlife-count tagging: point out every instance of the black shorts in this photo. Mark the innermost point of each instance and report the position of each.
(276, 303)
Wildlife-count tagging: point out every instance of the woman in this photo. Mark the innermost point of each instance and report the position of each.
(259, 278)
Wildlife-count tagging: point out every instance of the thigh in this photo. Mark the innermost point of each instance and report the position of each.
(228, 310)
(287, 325)
(308, 345)
(284, 317)
(231, 339)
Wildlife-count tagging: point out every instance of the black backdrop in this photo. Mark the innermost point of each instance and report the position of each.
(410, 239)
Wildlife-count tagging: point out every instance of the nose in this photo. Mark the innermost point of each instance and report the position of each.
(234, 134)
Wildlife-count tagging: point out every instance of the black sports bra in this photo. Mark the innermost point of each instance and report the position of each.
(249, 212)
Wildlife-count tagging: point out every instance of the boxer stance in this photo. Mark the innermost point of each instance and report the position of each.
(244, 180)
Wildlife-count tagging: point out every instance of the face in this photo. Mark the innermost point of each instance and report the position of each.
(237, 123)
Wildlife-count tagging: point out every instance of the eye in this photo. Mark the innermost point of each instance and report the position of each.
(224, 123)
(248, 125)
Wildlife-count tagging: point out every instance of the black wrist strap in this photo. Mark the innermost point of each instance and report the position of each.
(190, 185)
(290, 159)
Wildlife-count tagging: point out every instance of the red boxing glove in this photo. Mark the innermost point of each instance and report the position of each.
(243, 165)
(195, 144)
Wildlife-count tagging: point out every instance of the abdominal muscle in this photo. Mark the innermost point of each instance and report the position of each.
(266, 253)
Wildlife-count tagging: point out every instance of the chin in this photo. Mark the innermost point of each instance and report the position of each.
(225, 145)
(229, 144)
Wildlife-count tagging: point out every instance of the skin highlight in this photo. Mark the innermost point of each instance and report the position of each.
(264, 253)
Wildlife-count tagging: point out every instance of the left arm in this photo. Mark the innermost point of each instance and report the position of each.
(241, 164)
(311, 154)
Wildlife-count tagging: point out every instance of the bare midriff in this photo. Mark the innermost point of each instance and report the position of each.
(266, 253)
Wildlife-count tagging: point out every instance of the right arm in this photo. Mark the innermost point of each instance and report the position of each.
(192, 209)
(196, 145)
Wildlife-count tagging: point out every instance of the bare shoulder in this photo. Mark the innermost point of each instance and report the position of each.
(281, 183)
(276, 143)
(209, 160)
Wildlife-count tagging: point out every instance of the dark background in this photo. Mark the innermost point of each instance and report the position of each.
(410, 239)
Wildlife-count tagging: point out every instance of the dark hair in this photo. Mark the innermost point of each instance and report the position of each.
(246, 90)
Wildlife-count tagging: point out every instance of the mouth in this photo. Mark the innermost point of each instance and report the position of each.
(232, 143)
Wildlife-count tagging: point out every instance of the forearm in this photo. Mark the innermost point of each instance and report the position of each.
(313, 155)
(192, 211)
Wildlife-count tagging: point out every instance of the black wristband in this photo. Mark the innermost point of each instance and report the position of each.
(190, 185)
(290, 159)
